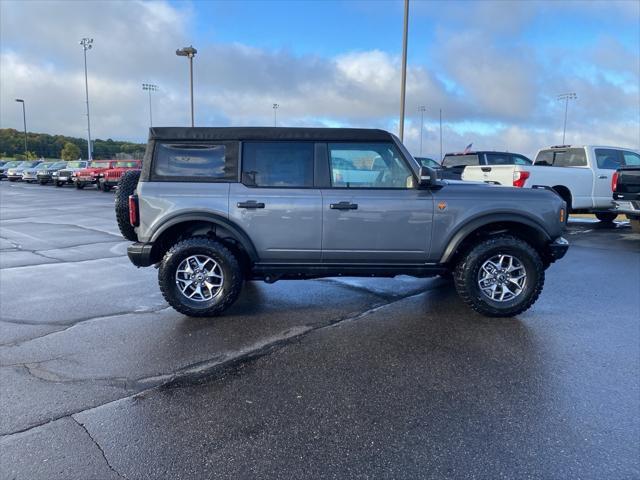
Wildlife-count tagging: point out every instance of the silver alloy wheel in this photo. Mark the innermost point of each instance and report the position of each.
(199, 278)
(502, 278)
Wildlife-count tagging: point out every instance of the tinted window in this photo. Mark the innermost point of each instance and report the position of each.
(498, 159)
(460, 160)
(631, 158)
(572, 157)
(367, 165)
(191, 160)
(608, 159)
(277, 164)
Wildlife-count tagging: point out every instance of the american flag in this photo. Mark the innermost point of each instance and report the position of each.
(468, 148)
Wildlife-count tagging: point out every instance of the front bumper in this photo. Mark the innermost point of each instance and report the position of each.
(140, 254)
(558, 249)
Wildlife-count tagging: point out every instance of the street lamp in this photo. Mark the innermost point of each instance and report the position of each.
(24, 119)
(150, 88)
(87, 44)
(275, 115)
(421, 109)
(189, 52)
(566, 97)
(403, 84)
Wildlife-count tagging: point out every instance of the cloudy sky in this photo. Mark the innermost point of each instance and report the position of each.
(494, 68)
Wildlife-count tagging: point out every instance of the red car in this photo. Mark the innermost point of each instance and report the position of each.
(89, 175)
(109, 178)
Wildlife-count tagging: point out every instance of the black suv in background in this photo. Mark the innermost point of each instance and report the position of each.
(453, 164)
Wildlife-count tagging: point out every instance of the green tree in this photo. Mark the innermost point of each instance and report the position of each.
(70, 151)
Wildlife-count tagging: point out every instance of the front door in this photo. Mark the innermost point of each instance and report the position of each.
(276, 203)
(607, 161)
(372, 213)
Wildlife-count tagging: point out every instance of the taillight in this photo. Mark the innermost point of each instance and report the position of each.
(614, 181)
(134, 218)
(519, 178)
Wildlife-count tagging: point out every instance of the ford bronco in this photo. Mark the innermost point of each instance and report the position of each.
(214, 207)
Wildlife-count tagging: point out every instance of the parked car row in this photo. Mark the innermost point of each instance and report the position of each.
(103, 174)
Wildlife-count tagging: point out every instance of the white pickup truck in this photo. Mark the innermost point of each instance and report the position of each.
(581, 175)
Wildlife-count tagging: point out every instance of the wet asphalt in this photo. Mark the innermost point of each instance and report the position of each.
(332, 378)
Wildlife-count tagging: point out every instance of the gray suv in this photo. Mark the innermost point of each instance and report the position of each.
(215, 207)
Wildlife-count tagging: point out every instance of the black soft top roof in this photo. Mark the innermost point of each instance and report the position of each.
(269, 133)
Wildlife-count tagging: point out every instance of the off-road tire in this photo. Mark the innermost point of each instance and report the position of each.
(104, 187)
(606, 217)
(80, 185)
(466, 276)
(126, 186)
(43, 182)
(231, 286)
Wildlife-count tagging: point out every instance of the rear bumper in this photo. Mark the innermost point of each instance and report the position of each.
(558, 249)
(630, 208)
(140, 254)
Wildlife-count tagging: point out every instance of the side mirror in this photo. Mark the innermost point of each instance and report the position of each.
(428, 176)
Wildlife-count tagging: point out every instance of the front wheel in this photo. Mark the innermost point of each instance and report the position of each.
(200, 277)
(606, 217)
(79, 185)
(500, 277)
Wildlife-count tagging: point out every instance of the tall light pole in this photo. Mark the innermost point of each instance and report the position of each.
(275, 114)
(87, 44)
(440, 134)
(421, 109)
(189, 52)
(403, 84)
(150, 88)
(24, 119)
(566, 97)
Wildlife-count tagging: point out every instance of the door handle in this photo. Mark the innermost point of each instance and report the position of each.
(250, 204)
(603, 176)
(343, 206)
(485, 169)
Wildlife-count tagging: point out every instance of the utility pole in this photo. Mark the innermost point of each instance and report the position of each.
(24, 120)
(150, 88)
(189, 52)
(566, 97)
(403, 85)
(275, 115)
(421, 109)
(87, 44)
(440, 134)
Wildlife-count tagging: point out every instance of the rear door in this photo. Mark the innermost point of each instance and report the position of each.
(371, 211)
(276, 202)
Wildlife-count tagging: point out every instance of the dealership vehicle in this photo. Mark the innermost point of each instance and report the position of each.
(428, 162)
(626, 191)
(7, 165)
(109, 178)
(90, 175)
(64, 176)
(217, 206)
(581, 175)
(45, 175)
(15, 173)
(30, 175)
(453, 164)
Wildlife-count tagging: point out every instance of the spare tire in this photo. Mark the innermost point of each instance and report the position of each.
(126, 186)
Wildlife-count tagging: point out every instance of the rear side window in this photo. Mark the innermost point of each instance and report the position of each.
(460, 160)
(631, 159)
(521, 160)
(608, 159)
(208, 162)
(277, 164)
(499, 159)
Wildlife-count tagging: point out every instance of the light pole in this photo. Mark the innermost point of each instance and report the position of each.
(275, 114)
(421, 109)
(403, 84)
(566, 97)
(150, 88)
(24, 119)
(440, 134)
(87, 44)
(189, 52)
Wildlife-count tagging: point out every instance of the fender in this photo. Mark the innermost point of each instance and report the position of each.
(466, 229)
(237, 232)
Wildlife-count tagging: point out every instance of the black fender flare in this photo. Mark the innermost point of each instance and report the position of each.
(466, 229)
(238, 233)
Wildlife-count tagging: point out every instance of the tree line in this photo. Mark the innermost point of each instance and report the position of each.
(51, 146)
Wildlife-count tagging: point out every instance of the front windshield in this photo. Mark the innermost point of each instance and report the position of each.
(76, 164)
(28, 164)
(460, 160)
(126, 164)
(11, 164)
(99, 164)
(42, 166)
(59, 165)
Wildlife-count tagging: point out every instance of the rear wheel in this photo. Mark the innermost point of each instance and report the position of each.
(43, 182)
(59, 183)
(126, 186)
(500, 277)
(606, 217)
(200, 277)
